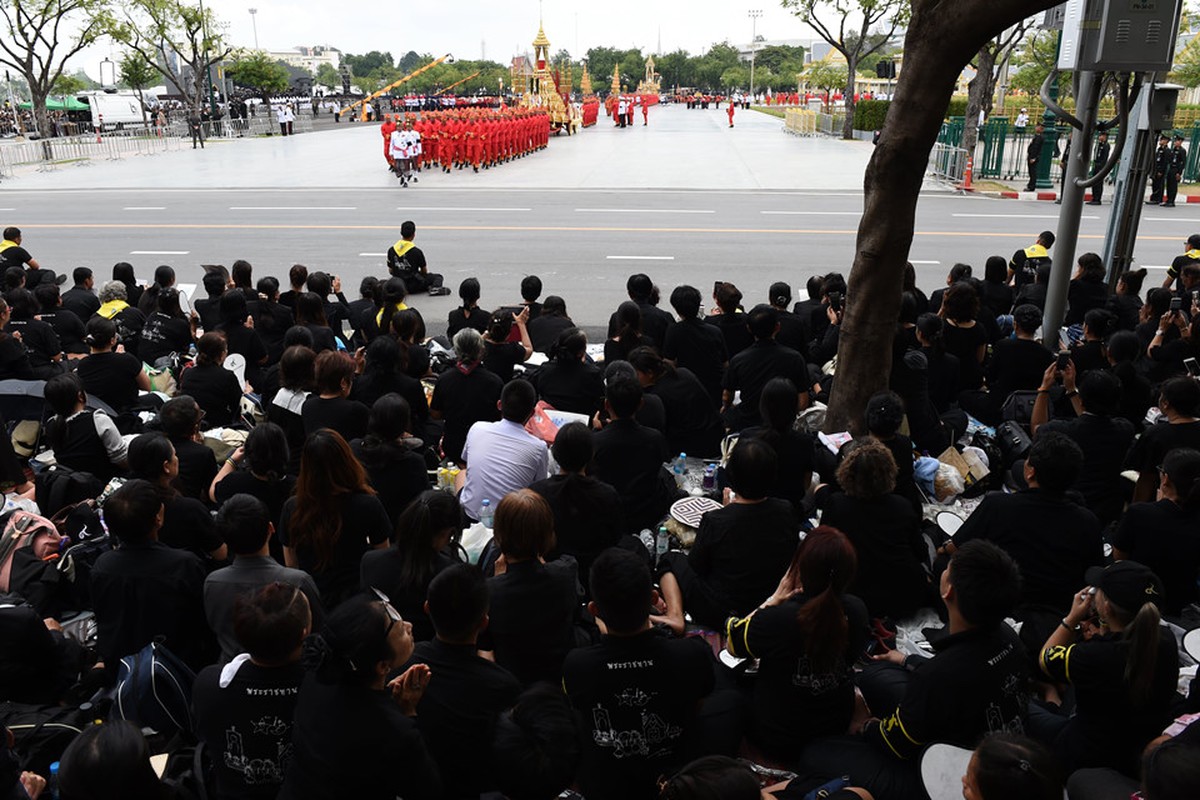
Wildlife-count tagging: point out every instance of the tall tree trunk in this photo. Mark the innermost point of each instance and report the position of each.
(142, 105)
(942, 36)
(978, 94)
(41, 117)
(848, 99)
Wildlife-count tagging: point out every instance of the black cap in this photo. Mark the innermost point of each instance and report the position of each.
(1178, 138)
(1127, 584)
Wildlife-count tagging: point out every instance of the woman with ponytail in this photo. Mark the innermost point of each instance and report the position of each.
(420, 550)
(1165, 535)
(693, 425)
(1087, 355)
(257, 468)
(943, 367)
(1006, 766)
(1088, 289)
(1123, 679)
(807, 636)
(354, 732)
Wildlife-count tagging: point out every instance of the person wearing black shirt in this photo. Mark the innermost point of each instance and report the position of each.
(392, 458)
(655, 321)
(1179, 400)
(406, 260)
(531, 290)
(66, 325)
(1017, 364)
(310, 313)
(628, 335)
(740, 550)
(241, 337)
(1164, 535)
(791, 329)
(535, 603)
(382, 374)
(692, 424)
(892, 576)
(82, 439)
(806, 636)
(14, 357)
(466, 394)
(458, 712)
(973, 684)
(1124, 678)
(469, 314)
(1125, 304)
(1025, 264)
(569, 381)
(297, 276)
(114, 377)
(273, 318)
(1103, 437)
(545, 328)
(128, 318)
(145, 589)
(258, 468)
(1053, 540)
(793, 450)
(81, 298)
(167, 330)
(354, 734)
(333, 519)
(729, 318)
(40, 340)
(1091, 353)
(244, 710)
(330, 406)
(404, 570)
(694, 344)
(187, 524)
(636, 693)
(630, 457)
(587, 512)
(750, 370)
(209, 308)
(214, 388)
(180, 419)
(500, 355)
(1087, 290)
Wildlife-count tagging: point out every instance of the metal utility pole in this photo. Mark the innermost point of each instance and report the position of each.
(753, 14)
(254, 24)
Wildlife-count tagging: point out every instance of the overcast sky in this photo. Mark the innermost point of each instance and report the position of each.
(465, 27)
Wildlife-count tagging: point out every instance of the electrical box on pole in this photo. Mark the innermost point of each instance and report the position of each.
(1119, 35)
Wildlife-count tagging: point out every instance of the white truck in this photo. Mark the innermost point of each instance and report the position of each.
(113, 109)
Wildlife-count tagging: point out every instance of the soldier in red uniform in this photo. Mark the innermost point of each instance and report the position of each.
(386, 130)
(729, 111)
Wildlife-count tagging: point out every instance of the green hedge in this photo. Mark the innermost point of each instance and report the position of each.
(870, 114)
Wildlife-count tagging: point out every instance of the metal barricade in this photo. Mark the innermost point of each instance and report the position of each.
(995, 135)
(947, 163)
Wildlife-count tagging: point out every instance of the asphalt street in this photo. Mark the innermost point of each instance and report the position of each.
(582, 241)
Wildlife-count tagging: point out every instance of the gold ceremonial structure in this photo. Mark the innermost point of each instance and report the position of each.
(585, 84)
(616, 83)
(540, 90)
(649, 84)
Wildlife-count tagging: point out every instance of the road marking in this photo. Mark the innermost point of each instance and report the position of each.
(640, 258)
(916, 263)
(1170, 219)
(144, 208)
(293, 208)
(373, 255)
(7, 209)
(457, 208)
(644, 211)
(1018, 216)
(817, 213)
(1150, 266)
(159, 252)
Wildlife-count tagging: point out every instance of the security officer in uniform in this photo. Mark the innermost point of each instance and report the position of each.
(1033, 154)
(1180, 263)
(1023, 267)
(1175, 167)
(1162, 161)
(1103, 151)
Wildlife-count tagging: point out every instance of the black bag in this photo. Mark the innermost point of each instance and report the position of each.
(189, 772)
(1014, 443)
(1018, 407)
(154, 690)
(58, 487)
(42, 733)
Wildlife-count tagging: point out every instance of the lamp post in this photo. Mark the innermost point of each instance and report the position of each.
(753, 14)
(108, 73)
(254, 24)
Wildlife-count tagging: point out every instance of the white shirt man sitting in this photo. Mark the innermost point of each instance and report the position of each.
(502, 456)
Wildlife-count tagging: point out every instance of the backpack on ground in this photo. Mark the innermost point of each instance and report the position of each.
(58, 487)
(42, 733)
(23, 529)
(154, 690)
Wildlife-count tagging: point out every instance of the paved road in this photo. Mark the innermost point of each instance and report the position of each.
(582, 236)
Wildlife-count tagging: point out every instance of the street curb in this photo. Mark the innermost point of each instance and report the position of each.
(1011, 195)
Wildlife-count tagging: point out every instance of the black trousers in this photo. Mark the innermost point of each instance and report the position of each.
(1156, 188)
(1033, 168)
(1172, 186)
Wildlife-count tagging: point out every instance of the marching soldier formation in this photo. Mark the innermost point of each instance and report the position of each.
(449, 140)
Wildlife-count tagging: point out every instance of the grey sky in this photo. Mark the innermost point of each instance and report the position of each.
(462, 26)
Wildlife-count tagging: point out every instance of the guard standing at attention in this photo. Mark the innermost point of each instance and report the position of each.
(1103, 151)
(1175, 168)
(1162, 162)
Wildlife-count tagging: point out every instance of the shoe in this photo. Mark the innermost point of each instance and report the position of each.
(1094, 203)
(414, 179)
(1153, 202)
(477, 169)
(439, 291)
(60, 279)
(1058, 202)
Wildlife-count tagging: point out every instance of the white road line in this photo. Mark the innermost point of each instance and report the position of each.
(1018, 216)
(159, 252)
(640, 258)
(915, 263)
(1151, 266)
(144, 208)
(293, 208)
(1171, 219)
(644, 211)
(817, 213)
(372, 255)
(457, 208)
(7, 209)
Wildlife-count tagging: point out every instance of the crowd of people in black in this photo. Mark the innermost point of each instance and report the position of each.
(260, 459)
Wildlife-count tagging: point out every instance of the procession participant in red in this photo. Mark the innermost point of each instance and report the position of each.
(729, 111)
(386, 130)
(645, 112)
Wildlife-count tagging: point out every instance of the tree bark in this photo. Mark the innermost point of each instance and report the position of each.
(41, 116)
(942, 36)
(848, 98)
(979, 91)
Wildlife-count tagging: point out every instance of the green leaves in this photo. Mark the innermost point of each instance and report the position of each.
(257, 70)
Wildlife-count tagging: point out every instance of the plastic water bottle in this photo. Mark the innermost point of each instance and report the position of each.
(679, 468)
(52, 782)
(485, 513)
(661, 542)
(647, 539)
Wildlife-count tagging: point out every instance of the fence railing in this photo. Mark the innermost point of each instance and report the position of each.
(947, 163)
(806, 122)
